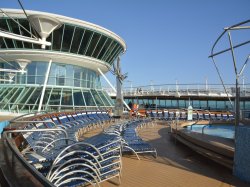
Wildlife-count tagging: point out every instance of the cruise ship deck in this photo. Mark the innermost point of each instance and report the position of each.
(175, 165)
(60, 127)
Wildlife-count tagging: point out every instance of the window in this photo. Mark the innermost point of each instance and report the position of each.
(23, 32)
(98, 100)
(60, 75)
(113, 54)
(15, 29)
(76, 40)
(212, 104)
(9, 42)
(88, 98)
(57, 38)
(31, 73)
(99, 46)
(41, 71)
(109, 50)
(67, 97)
(85, 41)
(55, 96)
(104, 49)
(93, 44)
(78, 98)
(67, 37)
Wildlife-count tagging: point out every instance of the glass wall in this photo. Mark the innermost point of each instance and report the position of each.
(60, 75)
(16, 98)
(197, 104)
(68, 39)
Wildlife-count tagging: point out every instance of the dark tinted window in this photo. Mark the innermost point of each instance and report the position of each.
(4, 27)
(105, 48)
(88, 98)
(26, 25)
(2, 43)
(93, 43)
(98, 100)
(67, 37)
(116, 55)
(85, 42)
(57, 38)
(113, 53)
(109, 50)
(67, 97)
(78, 98)
(15, 29)
(76, 40)
(99, 46)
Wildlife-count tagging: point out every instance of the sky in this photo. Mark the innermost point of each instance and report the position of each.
(167, 40)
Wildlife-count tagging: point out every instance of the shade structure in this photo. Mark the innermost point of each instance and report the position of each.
(44, 25)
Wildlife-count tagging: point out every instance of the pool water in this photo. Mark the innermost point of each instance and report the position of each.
(225, 131)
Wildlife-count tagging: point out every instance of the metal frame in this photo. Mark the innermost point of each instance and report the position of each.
(81, 41)
(227, 30)
(87, 46)
(72, 39)
(109, 52)
(62, 38)
(9, 132)
(116, 55)
(113, 54)
(96, 45)
(102, 47)
(30, 168)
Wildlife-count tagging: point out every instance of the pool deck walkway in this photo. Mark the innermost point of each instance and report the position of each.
(176, 165)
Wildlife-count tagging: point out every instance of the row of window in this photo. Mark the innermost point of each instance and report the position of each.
(197, 104)
(27, 98)
(60, 75)
(68, 38)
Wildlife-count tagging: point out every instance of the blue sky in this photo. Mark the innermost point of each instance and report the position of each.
(167, 40)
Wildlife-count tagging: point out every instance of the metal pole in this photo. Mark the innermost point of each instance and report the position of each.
(237, 95)
(112, 87)
(237, 103)
(44, 86)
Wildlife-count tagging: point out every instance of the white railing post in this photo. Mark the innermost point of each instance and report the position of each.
(44, 86)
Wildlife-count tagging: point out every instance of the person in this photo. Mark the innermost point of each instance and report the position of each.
(130, 104)
(111, 114)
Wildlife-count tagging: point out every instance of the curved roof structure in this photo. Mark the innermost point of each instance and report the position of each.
(78, 42)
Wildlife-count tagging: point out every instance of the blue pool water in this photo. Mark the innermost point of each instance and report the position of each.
(2, 125)
(225, 131)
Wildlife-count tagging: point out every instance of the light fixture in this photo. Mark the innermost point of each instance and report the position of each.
(23, 63)
(44, 25)
(11, 76)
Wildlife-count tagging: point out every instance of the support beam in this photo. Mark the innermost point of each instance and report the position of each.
(23, 38)
(229, 49)
(12, 70)
(44, 86)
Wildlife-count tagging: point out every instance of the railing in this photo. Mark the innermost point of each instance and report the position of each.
(17, 159)
(213, 90)
(31, 108)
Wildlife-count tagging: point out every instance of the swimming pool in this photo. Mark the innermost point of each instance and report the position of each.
(221, 130)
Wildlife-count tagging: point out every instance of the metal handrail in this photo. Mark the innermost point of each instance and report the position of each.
(35, 113)
(202, 131)
(49, 121)
(9, 132)
(29, 167)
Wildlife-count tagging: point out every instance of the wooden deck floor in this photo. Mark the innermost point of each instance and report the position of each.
(176, 165)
